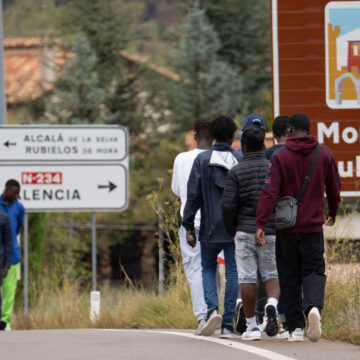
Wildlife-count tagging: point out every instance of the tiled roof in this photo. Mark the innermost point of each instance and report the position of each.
(23, 42)
(22, 77)
(24, 71)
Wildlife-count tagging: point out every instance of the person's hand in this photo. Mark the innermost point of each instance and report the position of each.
(330, 221)
(5, 272)
(191, 239)
(260, 238)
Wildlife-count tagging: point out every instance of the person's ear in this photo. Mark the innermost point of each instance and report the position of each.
(289, 130)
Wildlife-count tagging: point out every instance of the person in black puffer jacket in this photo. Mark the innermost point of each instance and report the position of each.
(239, 204)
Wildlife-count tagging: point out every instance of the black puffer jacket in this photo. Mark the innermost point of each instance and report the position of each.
(243, 186)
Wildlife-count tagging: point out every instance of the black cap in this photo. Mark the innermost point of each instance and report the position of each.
(253, 137)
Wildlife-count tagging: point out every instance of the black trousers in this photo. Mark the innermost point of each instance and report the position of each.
(301, 268)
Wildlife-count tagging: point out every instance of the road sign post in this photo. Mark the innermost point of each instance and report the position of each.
(66, 169)
(2, 71)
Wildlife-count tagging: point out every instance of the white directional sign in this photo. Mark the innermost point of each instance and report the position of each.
(67, 168)
(70, 187)
(63, 143)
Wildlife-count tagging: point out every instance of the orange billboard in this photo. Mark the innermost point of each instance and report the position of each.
(316, 70)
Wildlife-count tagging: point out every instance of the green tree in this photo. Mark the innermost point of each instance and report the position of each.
(37, 230)
(208, 86)
(29, 17)
(244, 31)
(109, 26)
(78, 97)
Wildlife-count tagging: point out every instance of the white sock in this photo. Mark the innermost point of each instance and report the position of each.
(251, 322)
(272, 301)
(238, 300)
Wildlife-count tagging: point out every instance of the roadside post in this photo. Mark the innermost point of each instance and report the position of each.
(65, 169)
(2, 71)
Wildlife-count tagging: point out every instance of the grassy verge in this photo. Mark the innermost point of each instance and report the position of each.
(68, 307)
(341, 314)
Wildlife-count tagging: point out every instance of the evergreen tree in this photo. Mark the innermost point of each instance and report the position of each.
(244, 31)
(78, 97)
(108, 27)
(209, 87)
(29, 17)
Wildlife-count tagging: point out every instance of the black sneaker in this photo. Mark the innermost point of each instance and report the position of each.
(227, 332)
(240, 320)
(272, 326)
(2, 325)
(213, 319)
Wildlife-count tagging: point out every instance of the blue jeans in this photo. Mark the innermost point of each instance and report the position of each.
(209, 253)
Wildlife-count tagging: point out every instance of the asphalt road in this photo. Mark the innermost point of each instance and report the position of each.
(158, 345)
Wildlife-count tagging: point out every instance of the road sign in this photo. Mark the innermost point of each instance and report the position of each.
(316, 70)
(70, 187)
(62, 143)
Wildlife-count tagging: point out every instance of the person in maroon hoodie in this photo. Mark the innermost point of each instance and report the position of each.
(300, 249)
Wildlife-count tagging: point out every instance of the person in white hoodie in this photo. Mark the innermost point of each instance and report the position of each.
(191, 256)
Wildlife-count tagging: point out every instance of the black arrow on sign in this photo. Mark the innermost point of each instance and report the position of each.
(111, 186)
(8, 144)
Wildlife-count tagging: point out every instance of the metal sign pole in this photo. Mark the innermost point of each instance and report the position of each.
(2, 72)
(26, 264)
(161, 258)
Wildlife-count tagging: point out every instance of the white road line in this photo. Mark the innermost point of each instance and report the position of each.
(267, 354)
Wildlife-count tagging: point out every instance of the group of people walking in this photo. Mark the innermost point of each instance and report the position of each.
(264, 209)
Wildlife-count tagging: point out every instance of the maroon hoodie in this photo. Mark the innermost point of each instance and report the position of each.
(287, 170)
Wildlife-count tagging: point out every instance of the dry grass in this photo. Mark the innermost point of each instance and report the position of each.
(67, 307)
(341, 314)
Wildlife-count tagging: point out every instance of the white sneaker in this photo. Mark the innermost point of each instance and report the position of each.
(262, 326)
(314, 328)
(213, 320)
(296, 335)
(253, 334)
(201, 324)
(283, 333)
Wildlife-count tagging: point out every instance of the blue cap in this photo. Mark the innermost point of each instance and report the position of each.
(254, 119)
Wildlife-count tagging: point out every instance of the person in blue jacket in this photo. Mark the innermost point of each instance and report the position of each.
(10, 205)
(204, 191)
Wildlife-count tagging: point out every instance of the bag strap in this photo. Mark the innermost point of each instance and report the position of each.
(309, 174)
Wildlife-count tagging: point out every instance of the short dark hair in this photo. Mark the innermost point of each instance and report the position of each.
(12, 183)
(202, 129)
(280, 125)
(253, 137)
(223, 129)
(300, 122)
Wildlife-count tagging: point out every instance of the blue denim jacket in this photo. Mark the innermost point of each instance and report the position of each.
(205, 187)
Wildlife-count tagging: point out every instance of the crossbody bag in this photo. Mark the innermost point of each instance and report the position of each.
(287, 206)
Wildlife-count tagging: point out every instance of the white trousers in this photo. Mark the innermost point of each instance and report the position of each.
(193, 272)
